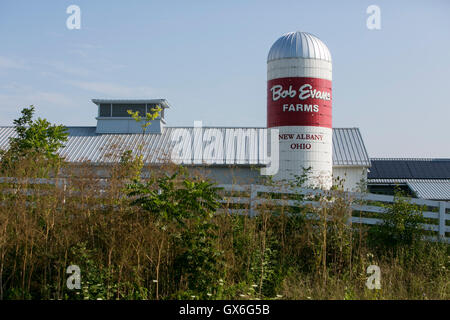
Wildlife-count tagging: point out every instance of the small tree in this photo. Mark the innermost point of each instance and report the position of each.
(36, 140)
(401, 224)
(127, 158)
(147, 120)
(184, 207)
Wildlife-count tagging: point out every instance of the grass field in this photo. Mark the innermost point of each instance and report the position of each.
(160, 238)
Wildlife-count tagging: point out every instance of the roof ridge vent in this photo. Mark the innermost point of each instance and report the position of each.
(113, 117)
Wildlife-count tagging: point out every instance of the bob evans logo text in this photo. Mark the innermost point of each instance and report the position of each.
(306, 91)
(299, 101)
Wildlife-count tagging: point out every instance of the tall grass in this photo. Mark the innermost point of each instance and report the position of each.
(126, 251)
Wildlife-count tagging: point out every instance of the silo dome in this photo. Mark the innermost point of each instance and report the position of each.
(299, 45)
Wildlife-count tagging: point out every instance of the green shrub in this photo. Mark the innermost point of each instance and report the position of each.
(185, 209)
(401, 224)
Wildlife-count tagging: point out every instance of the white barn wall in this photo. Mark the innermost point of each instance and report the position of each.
(352, 176)
(249, 175)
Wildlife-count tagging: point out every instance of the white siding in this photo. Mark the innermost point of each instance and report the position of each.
(352, 177)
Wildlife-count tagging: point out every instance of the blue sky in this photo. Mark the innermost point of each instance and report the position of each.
(208, 59)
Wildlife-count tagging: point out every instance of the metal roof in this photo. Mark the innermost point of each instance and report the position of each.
(84, 144)
(409, 169)
(410, 159)
(299, 45)
(349, 148)
(403, 181)
(432, 189)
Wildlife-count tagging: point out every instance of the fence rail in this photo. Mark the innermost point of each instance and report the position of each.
(250, 197)
(372, 204)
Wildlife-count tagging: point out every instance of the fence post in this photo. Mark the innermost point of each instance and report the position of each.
(442, 206)
(253, 196)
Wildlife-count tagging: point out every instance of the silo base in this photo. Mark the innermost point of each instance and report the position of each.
(305, 150)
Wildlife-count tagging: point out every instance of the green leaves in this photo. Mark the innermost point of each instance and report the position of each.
(173, 201)
(35, 139)
(184, 207)
(137, 162)
(401, 223)
(149, 117)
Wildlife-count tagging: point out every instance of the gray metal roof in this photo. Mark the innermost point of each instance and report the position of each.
(432, 189)
(403, 181)
(349, 148)
(84, 144)
(410, 159)
(299, 45)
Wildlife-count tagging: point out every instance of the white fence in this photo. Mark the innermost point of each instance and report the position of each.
(250, 197)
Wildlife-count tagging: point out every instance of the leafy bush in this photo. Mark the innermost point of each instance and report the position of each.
(35, 139)
(185, 210)
(401, 224)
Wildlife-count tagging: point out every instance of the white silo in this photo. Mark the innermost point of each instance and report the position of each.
(299, 105)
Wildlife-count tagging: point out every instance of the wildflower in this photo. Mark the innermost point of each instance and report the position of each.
(155, 281)
(254, 285)
(209, 294)
(192, 297)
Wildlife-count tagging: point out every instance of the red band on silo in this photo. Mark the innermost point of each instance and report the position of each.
(299, 101)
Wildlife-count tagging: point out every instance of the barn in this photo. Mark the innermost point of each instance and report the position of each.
(244, 149)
